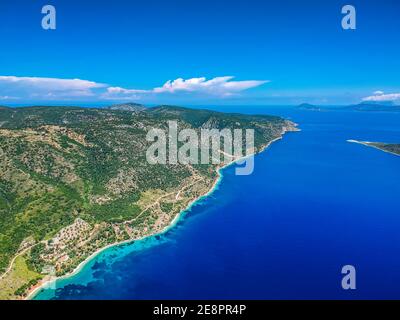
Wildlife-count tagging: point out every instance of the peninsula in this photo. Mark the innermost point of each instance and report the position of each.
(76, 180)
(393, 148)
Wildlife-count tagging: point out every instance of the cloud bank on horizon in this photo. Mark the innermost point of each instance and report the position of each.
(380, 96)
(52, 89)
(14, 89)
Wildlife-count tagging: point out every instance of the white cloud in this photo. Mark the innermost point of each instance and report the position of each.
(113, 93)
(8, 98)
(219, 86)
(52, 83)
(47, 88)
(216, 86)
(118, 90)
(381, 96)
(55, 88)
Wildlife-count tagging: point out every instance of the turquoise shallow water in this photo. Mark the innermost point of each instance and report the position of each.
(314, 203)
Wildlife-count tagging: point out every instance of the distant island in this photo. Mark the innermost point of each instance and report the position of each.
(307, 106)
(74, 181)
(393, 148)
(371, 107)
(364, 106)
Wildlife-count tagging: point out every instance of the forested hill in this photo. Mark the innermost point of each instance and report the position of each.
(73, 180)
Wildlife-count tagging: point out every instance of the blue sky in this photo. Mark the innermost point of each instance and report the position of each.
(211, 52)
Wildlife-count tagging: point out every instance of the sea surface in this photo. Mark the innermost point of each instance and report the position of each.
(313, 204)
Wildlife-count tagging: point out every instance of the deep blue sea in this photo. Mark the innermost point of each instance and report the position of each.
(313, 204)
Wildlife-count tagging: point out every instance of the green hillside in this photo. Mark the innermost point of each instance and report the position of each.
(73, 180)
